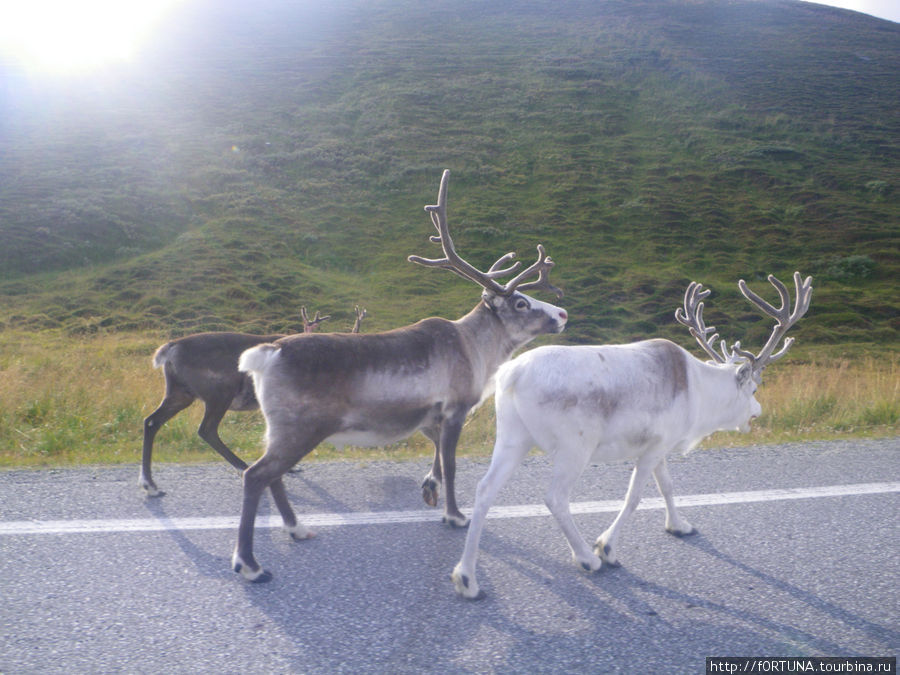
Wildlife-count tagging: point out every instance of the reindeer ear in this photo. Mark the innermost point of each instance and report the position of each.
(492, 300)
(744, 373)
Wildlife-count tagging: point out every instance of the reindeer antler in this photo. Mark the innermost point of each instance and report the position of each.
(784, 317)
(310, 326)
(692, 317)
(453, 262)
(360, 315)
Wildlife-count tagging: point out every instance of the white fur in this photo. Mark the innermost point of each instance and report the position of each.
(239, 566)
(257, 359)
(605, 403)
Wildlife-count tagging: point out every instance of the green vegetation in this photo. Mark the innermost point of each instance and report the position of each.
(264, 158)
(54, 413)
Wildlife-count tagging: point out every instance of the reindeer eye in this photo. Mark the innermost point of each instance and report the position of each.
(521, 304)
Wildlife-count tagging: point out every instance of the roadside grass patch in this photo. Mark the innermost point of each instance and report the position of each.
(66, 402)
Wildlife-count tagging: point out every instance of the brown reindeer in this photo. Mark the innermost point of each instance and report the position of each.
(204, 366)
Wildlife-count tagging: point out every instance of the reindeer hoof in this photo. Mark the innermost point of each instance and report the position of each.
(430, 492)
(685, 531)
(590, 565)
(480, 595)
(299, 532)
(260, 576)
(455, 521)
(152, 491)
(257, 576)
(680, 533)
(463, 586)
(603, 552)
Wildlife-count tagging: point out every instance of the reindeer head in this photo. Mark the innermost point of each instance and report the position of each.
(522, 313)
(748, 367)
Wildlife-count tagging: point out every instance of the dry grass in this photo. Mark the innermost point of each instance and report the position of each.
(66, 401)
(823, 399)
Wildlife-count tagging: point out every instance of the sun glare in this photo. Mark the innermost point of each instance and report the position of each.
(76, 35)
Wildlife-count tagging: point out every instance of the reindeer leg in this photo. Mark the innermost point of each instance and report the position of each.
(509, 450)
(173, 403)
(297, 530)
(242, 561)
(568, 465)
(605, 546)
(432, 481)
(265, 472)
(450, 431)
(209, 432)
(675, 523)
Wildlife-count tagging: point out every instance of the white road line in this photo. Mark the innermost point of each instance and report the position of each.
(27, 527)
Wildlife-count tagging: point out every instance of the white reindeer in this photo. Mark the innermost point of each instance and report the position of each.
(637, 401)
(379, 388)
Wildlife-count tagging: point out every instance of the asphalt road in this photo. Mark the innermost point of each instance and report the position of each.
(96, 578)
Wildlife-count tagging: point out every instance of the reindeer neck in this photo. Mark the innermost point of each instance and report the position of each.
(720, 396)
(483, 327)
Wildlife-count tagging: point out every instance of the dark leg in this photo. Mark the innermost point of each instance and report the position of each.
(450, 431)
(209, 432)
(243, 562)
(174, 402)
(266, 472)
(432, 481)
(297, 530)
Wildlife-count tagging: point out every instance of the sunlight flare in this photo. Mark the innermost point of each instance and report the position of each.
(76, 35)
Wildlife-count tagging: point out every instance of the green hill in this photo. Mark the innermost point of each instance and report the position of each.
(268, 155)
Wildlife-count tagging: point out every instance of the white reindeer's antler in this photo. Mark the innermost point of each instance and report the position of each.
(691, 315)
(784, 318)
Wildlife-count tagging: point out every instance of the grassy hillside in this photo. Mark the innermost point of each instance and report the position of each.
(263, 156)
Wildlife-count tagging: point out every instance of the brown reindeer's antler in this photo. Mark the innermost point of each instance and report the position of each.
(487, 280)
(360, 315)
(692, 317)
(310, 326)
